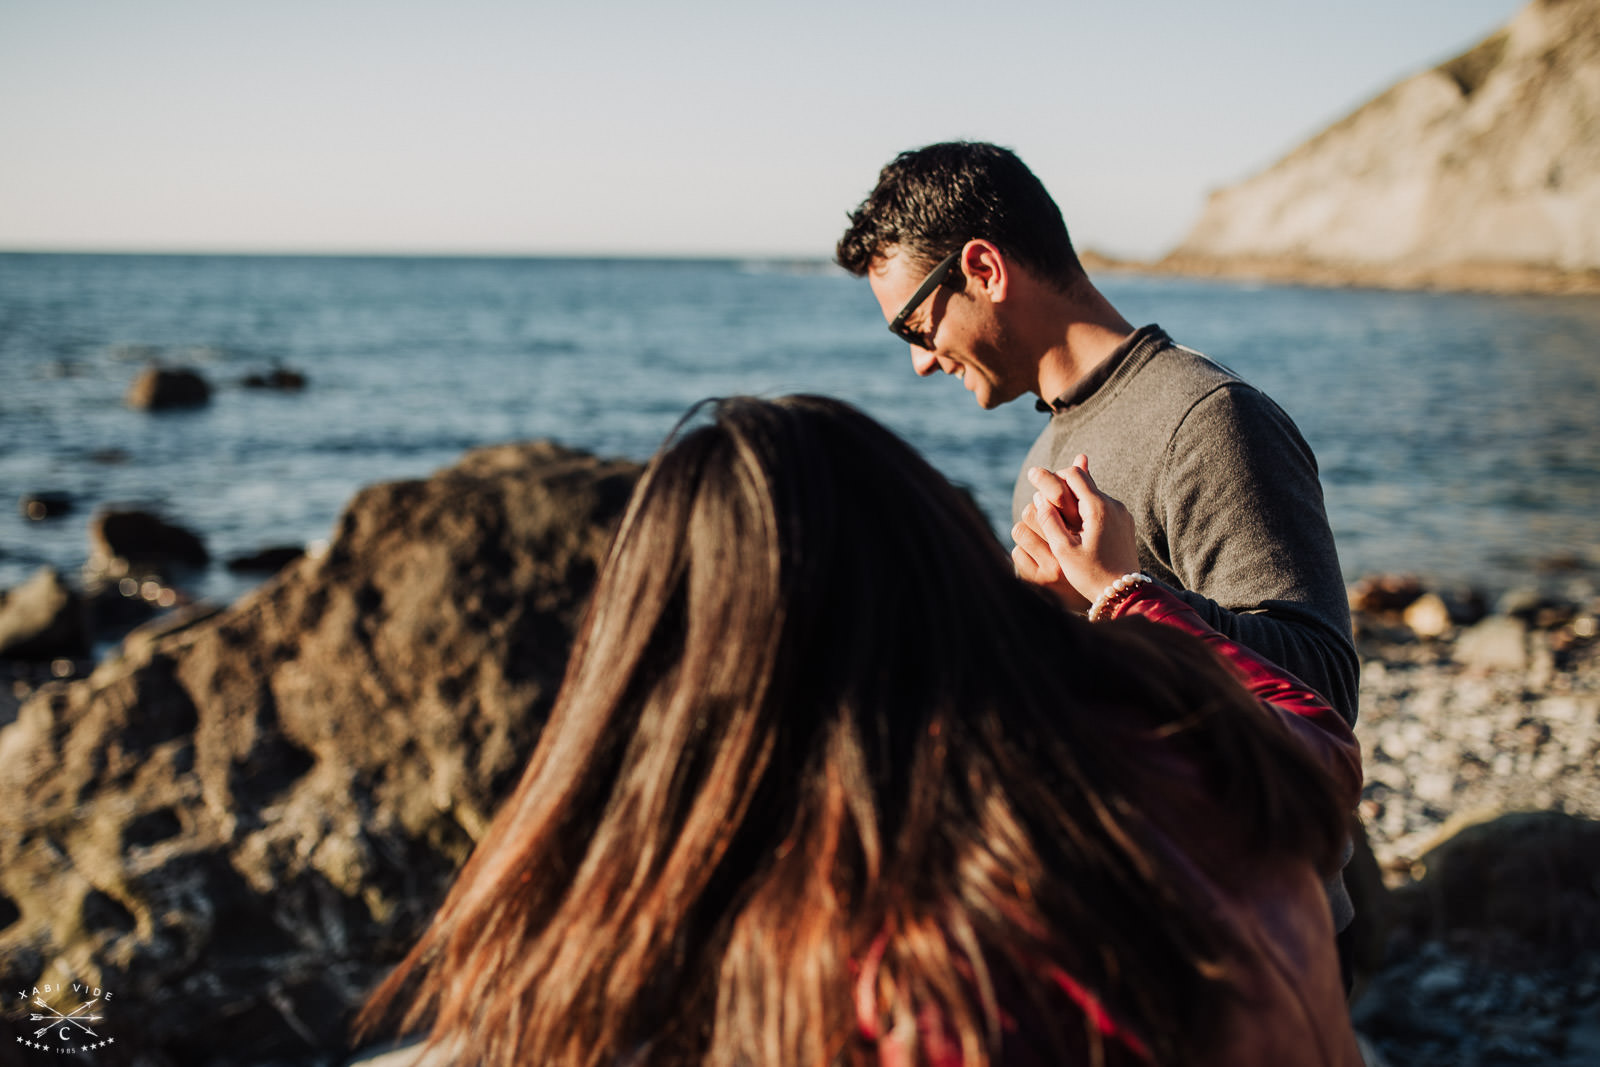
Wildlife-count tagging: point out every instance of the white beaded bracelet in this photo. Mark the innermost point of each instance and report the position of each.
(1115, 592)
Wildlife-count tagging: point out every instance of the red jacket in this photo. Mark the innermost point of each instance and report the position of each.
(1292, 1006)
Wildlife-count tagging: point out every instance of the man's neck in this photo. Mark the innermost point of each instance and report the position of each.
(1080, 330)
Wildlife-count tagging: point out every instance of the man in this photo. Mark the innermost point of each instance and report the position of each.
(971, 263)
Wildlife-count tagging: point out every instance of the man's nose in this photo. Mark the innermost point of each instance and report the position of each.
(922, 361)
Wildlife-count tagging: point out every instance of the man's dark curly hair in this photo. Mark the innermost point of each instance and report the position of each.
(930, 201)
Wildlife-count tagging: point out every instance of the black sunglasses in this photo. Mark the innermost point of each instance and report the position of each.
(897, 325)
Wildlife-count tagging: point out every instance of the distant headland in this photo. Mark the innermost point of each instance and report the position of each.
(1482, 173)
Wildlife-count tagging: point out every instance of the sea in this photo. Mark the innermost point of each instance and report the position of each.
(1458, 435)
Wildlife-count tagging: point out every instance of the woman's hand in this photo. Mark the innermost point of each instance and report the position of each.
(1073, 539)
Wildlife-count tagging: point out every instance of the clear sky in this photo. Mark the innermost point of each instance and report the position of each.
(700, 127)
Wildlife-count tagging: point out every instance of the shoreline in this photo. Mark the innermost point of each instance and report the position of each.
(1506, 279)
(1467, 714)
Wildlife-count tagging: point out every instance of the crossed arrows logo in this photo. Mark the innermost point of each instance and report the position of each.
(55, 1018)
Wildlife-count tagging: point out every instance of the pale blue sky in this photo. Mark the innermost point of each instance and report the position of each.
(703, 127)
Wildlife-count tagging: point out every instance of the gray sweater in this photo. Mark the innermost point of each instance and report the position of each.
(1225, 498)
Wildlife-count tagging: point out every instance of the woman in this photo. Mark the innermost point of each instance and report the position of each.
(827, 783)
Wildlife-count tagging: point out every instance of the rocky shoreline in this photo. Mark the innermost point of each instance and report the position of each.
(1480, 735)
(238, 820)
(1502, 278)
(1467, 713)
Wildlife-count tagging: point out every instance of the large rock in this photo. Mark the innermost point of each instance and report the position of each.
(1483, 172)
(42, 619)
(239, 826)
(1531, 876)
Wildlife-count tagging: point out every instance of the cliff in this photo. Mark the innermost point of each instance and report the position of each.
(1483, 172)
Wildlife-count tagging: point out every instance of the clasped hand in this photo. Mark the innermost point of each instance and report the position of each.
(1073, 539)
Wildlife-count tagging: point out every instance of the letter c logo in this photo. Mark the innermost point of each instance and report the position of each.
(66, 1035)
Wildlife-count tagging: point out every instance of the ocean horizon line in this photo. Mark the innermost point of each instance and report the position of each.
(485, 256)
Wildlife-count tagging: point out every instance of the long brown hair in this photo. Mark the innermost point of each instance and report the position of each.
(811, 711)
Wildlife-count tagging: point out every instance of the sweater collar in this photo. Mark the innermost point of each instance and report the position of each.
(1146, 338)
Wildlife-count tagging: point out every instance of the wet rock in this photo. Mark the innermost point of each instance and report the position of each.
(165, 388)
(281, 379)
(266, 561)
(47, 504)
(141, 539)
(42, 619)
(241, 824)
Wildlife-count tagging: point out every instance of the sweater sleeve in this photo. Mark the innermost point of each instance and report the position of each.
(1306, 714)
(1249, 542)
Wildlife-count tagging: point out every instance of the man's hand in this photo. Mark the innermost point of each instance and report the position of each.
(1032, 557)
(1037, 564)
(1073, 539)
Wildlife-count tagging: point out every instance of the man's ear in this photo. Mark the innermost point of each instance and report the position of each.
(984, 263)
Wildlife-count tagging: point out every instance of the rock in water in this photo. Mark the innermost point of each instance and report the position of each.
(282, 379)
(162, 388)
(1482, 172)
(141, 539)
(240, 826)
(47, 504)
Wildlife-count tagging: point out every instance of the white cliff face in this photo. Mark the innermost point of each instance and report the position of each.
(1490, 159)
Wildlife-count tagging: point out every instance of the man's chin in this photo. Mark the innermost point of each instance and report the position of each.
(988, 400)
(979, 390)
